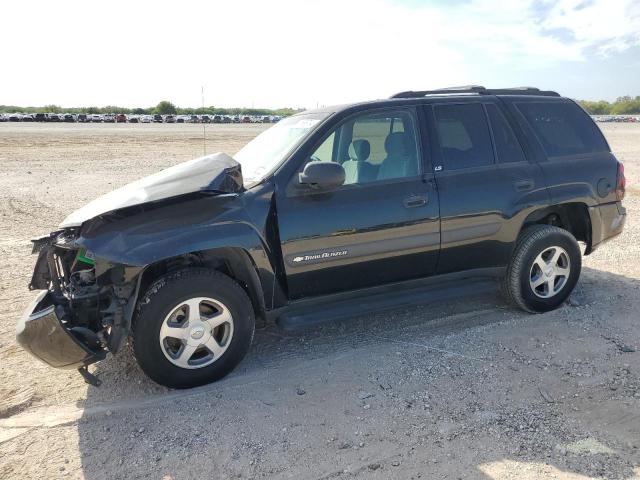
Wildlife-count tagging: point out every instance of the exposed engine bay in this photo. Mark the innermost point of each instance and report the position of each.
(92, 300)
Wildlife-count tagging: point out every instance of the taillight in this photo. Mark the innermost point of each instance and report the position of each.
(621, 182)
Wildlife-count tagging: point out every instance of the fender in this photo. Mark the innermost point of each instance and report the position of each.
(156, 232)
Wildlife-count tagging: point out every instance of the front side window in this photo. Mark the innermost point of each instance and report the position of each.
(373, 147)
(325, 152)
(262, 154)
(464, 136)
(563, 128)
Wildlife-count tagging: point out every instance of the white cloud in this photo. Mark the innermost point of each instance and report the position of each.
(290, 52)
(606, 26)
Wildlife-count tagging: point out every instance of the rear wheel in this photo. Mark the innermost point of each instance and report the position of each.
(192, 327)
(544, 269)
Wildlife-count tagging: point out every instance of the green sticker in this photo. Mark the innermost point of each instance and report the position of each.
(86, 256)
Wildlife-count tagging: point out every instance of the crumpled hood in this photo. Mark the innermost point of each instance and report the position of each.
(217, 172)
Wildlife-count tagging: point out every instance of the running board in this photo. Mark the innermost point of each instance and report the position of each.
(309, 312)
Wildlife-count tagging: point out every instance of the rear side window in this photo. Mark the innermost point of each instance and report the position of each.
(464, 136)
(563, 128)
(507, 146)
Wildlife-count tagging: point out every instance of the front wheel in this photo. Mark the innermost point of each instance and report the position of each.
(544, 269)
(192, 327)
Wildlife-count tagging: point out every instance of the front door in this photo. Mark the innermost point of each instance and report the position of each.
(381, 226)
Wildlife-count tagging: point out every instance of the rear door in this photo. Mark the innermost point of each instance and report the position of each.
(381, 226)
(485, 183)
(574, 154)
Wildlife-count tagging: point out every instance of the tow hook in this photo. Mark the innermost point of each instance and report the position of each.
(89, 378)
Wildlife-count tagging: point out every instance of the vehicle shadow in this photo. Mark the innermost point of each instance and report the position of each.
(295, 407)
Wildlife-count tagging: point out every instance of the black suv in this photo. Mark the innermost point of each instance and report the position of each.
(329, 213)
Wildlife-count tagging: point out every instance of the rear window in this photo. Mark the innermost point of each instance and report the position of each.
(563, 128)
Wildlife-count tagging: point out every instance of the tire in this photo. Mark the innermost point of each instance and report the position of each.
(536, 246)
(169, 305)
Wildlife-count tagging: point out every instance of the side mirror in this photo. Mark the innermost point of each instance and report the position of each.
(322, 175)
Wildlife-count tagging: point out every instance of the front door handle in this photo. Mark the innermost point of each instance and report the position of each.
(415, 201)
(524, 185)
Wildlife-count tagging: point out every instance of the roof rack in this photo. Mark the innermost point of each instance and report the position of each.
(478, 90)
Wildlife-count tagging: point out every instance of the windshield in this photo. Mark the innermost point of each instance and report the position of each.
(267, 150)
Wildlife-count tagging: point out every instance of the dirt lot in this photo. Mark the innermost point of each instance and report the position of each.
(464, 389)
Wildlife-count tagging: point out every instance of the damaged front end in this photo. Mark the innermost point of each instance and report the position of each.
(84, 308)
(86, 303)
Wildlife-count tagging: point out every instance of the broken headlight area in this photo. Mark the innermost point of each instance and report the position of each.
(85, 308)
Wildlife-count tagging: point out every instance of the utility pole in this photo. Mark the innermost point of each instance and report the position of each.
(204, 126)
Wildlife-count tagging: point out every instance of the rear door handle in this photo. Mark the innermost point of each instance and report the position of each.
(415, 201)
(524, 185)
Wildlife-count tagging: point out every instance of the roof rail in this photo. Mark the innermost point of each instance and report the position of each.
(477, 90)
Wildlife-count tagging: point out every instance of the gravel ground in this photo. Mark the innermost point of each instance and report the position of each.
(464, 389)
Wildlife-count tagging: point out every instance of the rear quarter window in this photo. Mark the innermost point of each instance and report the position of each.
(507, 146)
(563, 128)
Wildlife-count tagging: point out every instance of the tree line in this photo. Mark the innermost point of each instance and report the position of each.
(163, 108)
(622, 106)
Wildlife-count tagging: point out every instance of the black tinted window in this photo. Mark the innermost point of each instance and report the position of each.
(464, 136)
(507, 146)
(563, 128)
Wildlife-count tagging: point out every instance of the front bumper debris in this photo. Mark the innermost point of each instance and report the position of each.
(43, 334)
(84, 306)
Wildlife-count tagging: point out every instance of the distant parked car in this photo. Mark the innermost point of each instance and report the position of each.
(121, 118)
(15, 117)
(54, 117)
(194, 119)
(246, 119)
(226, 119)
(27, 117)
(133, 119)
(95, 118)
(109, 118)
(40, 117)
(146, 119)
(68, 117)
(205, 119)
(182, 119)
(157, 118)
(82, 118)
(217, 119)
(170, 119)
(3, 117)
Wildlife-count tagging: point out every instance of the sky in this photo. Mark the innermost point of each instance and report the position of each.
(303, 53)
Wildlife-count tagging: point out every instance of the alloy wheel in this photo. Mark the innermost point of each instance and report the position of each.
(550, 272)
(196, 332)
